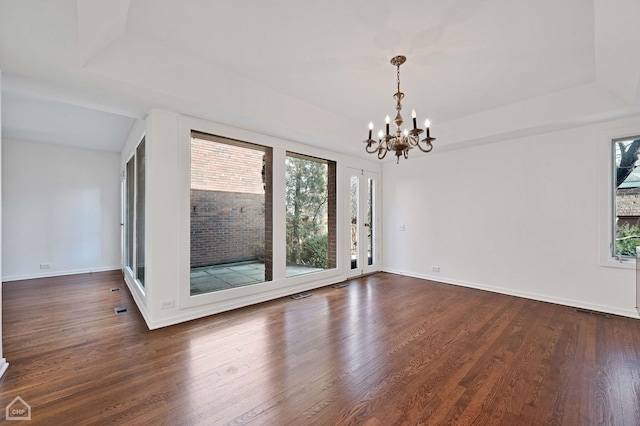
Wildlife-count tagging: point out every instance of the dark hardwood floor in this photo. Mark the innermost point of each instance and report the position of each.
(385, 350)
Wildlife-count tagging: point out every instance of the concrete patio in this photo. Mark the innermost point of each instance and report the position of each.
(207, 279)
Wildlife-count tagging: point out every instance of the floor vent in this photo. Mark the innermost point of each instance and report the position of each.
(341, 285)
(300, 296)
(119, 310)
(589, 312)
(112, 289)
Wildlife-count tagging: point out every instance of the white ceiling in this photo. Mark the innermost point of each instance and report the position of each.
(316, 72)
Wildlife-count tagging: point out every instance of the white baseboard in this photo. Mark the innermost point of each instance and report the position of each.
(3, 366)
(189, 314)
(60, 273)
(631, 313)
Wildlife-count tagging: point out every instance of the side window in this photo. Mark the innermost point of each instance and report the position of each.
(626, 199)
(135, 214)
(140, 212)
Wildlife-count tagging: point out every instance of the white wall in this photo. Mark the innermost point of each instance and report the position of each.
(61, 206)
(521, 217)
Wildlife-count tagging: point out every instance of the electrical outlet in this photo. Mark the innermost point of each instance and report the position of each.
(401, 227)
(167, 304)
(435, 269)
(45, 266)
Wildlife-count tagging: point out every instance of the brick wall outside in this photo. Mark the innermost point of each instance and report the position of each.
(628, 202)
(227, 203)
(628, 206)
(226, 227)
(220, 167)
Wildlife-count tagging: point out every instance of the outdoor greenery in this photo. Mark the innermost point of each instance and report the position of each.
(314, 251)
(306, 212)
(627, 238)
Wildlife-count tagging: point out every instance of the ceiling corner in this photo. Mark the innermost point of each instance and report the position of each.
(99, 24)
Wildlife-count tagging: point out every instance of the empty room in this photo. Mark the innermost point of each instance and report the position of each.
(320, 213)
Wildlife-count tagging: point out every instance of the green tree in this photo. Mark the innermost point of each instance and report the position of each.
(627, 239)
(628, 160)
(306, 211)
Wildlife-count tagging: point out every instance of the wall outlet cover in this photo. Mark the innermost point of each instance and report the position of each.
(168, 304)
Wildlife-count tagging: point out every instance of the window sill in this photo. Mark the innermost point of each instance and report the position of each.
(629, 263)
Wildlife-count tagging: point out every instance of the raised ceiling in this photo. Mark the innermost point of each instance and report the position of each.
(317, 72)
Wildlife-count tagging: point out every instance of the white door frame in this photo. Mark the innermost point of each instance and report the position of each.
(363, 228)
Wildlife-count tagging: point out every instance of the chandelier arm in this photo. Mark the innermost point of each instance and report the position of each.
(370, 148)
(429, 147)
(382, 151)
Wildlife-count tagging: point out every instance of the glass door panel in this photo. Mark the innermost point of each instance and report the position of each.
(370, 222)
(353, 227)
(362, 222)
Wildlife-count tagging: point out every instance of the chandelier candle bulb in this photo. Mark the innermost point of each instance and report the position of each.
(387, 120)
(370, 128)
(413, 115)
(380, 134)
(427, 124)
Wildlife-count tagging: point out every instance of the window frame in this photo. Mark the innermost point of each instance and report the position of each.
(267, 172)
(281, 285)
(607, 197)
(614, 198)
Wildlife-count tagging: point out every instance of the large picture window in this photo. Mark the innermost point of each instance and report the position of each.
(231, 224)
(626, 200)
(310, 214)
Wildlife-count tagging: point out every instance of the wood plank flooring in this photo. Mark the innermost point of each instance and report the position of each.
(386, 350)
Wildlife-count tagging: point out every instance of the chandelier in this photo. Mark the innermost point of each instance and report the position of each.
(401, 141)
